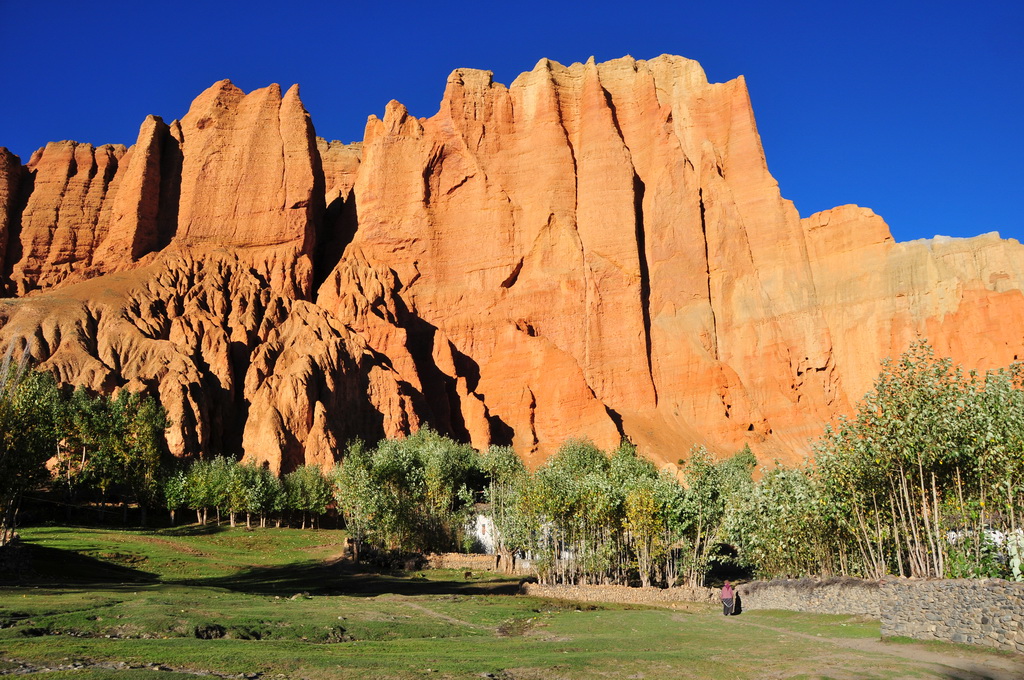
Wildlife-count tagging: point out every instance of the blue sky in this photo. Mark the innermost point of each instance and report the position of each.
(913, 109)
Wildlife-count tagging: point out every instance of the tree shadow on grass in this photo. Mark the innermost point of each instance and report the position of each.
(37, 565)
(188, 530)
(340, 577)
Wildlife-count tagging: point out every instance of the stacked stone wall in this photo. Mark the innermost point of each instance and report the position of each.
(475, 562)
(987, 612)
(621, 594)
(830, 596)
(462, 561)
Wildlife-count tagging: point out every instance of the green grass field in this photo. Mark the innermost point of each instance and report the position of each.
(279, 603)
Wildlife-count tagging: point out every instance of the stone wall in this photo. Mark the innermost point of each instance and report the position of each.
(476, 562)
(982, 612)
(831, 596)
(987, 612)
(462, 561)
(622, 594)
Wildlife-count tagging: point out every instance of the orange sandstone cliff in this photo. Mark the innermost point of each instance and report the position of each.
(596, 250)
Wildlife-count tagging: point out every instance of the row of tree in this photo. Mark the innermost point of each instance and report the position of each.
(590, 517)
(411, 494)
(224, 485)
(585, 516)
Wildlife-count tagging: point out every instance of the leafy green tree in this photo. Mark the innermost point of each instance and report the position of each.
(574, 502)
(203, 490)
(354, 493)
(176, 492)
(145, 447)
(506, 478)
(265, 495)
(643, 499)
(646, 525)
(308, 492)
(239, 480)
(218, 481)
(778, 527)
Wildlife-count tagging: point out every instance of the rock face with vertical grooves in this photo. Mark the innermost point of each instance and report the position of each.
(594, 251)
(61, 224)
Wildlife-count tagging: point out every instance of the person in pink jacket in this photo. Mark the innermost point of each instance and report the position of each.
(728, 599)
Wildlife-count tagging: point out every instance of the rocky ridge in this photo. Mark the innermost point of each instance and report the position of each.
(594, 250)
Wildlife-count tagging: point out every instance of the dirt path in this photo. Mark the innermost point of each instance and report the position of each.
(962, 664)
(439, 615)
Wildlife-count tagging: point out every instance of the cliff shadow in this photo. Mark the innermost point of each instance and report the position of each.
(334, 231)
(444, 414)
(171, 161)
(14, 250)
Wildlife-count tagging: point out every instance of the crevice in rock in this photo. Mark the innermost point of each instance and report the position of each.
(431, 173)
(94, 167)
(615, 115)
(511, 279)
(100, 230)
(533, 421)
(72, 170)
(458, 184)
(526, 327)
(316, 211)
(466, 368)
(707, 264)
(639, 189)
